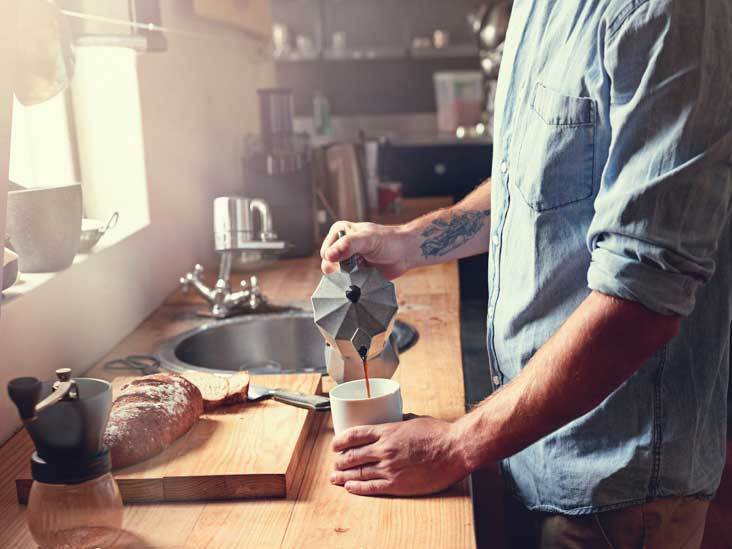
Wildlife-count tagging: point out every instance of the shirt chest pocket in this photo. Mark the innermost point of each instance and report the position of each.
(554, 165)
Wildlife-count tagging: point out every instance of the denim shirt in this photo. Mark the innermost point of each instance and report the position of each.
(612, 172)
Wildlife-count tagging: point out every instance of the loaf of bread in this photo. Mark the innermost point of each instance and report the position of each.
(149, 414)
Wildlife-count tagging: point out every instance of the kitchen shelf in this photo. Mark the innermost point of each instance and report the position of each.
(449, 52)
(458, 50)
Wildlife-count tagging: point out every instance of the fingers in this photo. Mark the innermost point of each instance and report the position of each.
(352, 438)
(350, 245)
(356, 457)
(333, 235)
(331, 266)
(367, 472)
(340, 249)
(378, 487)
(359, 239)
(328, 267)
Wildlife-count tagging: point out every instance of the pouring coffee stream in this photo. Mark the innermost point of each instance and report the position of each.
(354, 310)
(366, 376)
(353, 294)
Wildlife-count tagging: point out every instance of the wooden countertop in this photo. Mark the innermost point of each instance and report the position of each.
(321, 514)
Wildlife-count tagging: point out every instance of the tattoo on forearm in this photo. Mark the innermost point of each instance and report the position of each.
(442, 236)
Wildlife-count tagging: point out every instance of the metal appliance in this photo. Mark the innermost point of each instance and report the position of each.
(277, 168)
(355, 309)
(234, 233)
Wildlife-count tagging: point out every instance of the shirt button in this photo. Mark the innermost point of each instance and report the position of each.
(495, 240)
(504, 167)
(490, 310)
(496, 381)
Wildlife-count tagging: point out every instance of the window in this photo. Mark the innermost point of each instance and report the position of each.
(41, 151)
(89, 134)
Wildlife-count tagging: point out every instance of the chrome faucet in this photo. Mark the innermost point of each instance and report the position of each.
(224, 302)
(234, 233)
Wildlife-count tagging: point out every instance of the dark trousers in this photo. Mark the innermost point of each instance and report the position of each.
(674, 523)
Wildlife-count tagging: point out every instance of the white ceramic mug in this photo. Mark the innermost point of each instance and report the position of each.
(351, 408)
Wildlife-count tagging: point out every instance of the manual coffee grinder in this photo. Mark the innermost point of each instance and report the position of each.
(355, 309)
(74, 501)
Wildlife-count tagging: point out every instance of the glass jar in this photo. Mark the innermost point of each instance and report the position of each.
(75, 515)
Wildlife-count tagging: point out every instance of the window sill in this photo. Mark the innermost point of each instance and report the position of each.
(29, 282)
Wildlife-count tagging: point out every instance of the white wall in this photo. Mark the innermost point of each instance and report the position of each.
(198, 100)
(7, 39)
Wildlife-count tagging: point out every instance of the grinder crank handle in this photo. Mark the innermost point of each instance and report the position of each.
(347, 265)
(25, 392)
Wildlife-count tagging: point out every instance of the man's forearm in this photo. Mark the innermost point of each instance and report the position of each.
(599, 347)
(444, 235)
(452, 233)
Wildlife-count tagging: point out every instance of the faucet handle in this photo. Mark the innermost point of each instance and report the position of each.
(254, 288)
(255, 294)
(187, 280)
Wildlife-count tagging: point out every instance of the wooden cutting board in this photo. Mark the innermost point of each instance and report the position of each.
(253, 450)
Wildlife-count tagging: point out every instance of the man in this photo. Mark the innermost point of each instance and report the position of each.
(610, 277)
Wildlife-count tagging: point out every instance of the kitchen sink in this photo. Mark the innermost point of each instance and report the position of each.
(278, 343)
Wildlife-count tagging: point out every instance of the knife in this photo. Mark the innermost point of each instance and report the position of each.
(293, 398)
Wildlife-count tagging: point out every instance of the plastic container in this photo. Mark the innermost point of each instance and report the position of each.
(459, 97)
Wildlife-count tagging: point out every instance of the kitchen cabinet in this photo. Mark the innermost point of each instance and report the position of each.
(437, 167)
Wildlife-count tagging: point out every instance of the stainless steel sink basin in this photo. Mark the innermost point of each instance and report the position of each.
(278, 343)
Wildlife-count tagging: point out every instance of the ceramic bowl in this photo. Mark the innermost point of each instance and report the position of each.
(93, 229)
(44, 227)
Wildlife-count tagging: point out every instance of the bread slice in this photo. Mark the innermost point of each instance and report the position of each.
(238, 389)
(214, 389)
(218, 391)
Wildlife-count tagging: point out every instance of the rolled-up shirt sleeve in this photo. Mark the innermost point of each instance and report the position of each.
(665, 191)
